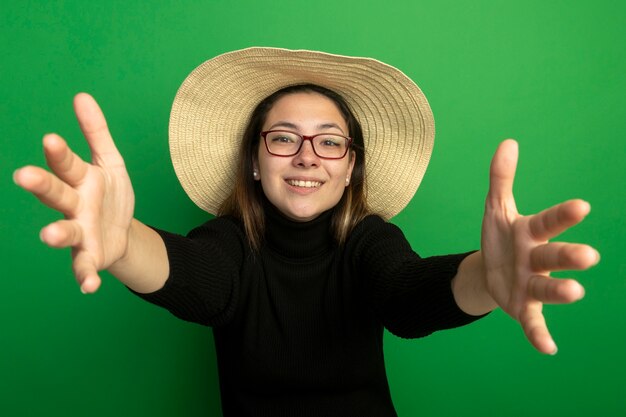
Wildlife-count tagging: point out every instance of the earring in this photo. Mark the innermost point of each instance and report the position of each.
(255, 173)
(348, 181)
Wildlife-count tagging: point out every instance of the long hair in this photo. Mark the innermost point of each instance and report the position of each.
(245, 201)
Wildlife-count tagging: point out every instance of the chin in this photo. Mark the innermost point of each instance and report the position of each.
(303, 218)
(303, 215)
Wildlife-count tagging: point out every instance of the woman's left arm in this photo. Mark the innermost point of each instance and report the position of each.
(512, 269)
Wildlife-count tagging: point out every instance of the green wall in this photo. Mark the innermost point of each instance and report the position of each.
(549, 73)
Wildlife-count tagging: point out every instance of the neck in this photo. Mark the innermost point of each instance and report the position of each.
(297, 239)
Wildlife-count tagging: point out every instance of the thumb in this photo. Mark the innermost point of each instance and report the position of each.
(502, 173)
(94, 127)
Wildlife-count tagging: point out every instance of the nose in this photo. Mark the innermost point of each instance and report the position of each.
(306, 157)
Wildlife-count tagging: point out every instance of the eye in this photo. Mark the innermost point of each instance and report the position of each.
(281, 138)
(330, 141)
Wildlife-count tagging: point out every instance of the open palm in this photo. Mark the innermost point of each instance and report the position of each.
(518, 258)
(96, 198)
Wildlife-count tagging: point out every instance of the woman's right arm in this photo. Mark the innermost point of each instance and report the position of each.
(97, 201)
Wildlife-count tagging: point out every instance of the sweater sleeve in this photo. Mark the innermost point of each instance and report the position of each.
(412, 296)
(204, 273)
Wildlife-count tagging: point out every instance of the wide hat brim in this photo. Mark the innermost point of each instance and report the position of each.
(213, 105)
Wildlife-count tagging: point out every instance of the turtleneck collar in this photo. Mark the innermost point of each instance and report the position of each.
(297, 239)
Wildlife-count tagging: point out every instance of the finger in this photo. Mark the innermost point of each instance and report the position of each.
(85, 272)
(62, 161)
(555, 220)
(91, 284)
(62, 234)
(534, 326)
(558, 256)
(554, 291)
(48, 189)
(502, 173)
(94, 127)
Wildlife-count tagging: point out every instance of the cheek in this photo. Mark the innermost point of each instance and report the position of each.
(341, 172)
(264, 163)
(271, 172)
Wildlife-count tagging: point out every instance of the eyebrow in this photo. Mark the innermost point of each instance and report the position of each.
(290, 125)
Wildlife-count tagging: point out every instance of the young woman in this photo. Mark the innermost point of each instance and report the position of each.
(303, 155)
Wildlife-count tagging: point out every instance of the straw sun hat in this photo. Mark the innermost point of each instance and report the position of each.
(214, 103)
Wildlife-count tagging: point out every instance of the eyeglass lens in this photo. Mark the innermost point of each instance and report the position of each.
(289, 143)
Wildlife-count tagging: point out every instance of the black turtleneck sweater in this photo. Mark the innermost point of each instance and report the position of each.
(298, 326)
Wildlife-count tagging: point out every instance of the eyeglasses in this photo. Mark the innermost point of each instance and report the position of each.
(287, 143)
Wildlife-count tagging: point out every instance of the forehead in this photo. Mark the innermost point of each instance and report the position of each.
(305, 108)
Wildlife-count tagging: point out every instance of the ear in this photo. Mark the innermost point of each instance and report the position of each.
(351, 161)
(256, 172)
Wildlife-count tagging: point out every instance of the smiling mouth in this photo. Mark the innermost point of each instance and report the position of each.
(304, 184)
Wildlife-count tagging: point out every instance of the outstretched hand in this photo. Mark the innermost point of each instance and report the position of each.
(96, 198)
(518, 258)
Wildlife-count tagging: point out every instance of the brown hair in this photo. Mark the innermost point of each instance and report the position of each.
(245, 201)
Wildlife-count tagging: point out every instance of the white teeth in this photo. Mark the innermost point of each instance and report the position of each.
(305, 184)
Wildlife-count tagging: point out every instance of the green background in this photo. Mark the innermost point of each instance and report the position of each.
(548, 73)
